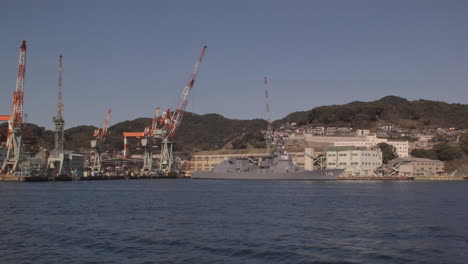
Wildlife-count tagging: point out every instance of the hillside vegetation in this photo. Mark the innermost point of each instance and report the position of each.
(392, 109)
(213, 131)
(196, 133)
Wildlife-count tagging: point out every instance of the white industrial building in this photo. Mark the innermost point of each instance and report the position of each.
(368, 141)
(356, 161)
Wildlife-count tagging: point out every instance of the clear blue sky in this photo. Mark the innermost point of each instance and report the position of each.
(132, 56)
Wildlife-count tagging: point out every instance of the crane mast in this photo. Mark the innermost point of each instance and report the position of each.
(147, 144)
(58, 163)
(269, 133)
(58, 119)
(171, 120)
(14, 145)
(99, 137)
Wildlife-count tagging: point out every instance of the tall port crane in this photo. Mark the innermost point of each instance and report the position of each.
(146, 138)
(269, 132)
(171, 120)
(14, 154)
(99, 137)
(58, 119)
(147, 144)
(57, 160)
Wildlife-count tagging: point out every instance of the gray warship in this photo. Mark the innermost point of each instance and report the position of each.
(275, 167)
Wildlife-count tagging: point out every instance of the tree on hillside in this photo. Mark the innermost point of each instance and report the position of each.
(424, 153)
(388, 152)
(464, 142)
(447, 152)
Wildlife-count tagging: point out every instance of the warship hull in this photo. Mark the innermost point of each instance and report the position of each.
(297, 175)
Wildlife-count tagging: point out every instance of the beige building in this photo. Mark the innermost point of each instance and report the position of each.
(369, 141)
(205, 160)
(417, 166)
(355, 161)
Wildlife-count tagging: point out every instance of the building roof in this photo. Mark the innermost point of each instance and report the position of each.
(231, 151)
(348, 148)
(411, 159)
(340, 148)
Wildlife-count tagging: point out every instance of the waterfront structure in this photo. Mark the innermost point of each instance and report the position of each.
(356, 161)
(417, 166)
(77, 164)
(2, 155)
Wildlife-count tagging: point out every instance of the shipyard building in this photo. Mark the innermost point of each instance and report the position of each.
(205, 160)
(356, 161)
(363, 139)
(417, 166)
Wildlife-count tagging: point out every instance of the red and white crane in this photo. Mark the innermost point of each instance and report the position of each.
(99, 137)
(163, 127)
(146, 138)
(171, 120)
(147, 144)
(182, 104)
(14, 145)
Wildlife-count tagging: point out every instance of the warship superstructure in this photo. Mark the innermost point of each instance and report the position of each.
(277, 166)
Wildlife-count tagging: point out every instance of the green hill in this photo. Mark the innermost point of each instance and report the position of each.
(393, 109)
(213, 131)
(197, 132)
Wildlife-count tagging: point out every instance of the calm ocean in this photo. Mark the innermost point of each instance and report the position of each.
(220, 221)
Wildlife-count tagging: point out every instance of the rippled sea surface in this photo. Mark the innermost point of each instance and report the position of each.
(218, 221)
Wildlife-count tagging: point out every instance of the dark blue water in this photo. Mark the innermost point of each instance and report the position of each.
(216, 221)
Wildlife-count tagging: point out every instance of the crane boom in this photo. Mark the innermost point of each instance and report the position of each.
(182, 104)
(14, 144)
(58, 119)
(16, 118)
(100, 133)
(154, 123)
(96, 143)
(60, 102)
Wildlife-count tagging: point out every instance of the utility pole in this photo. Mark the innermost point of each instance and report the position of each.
(269, 132)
